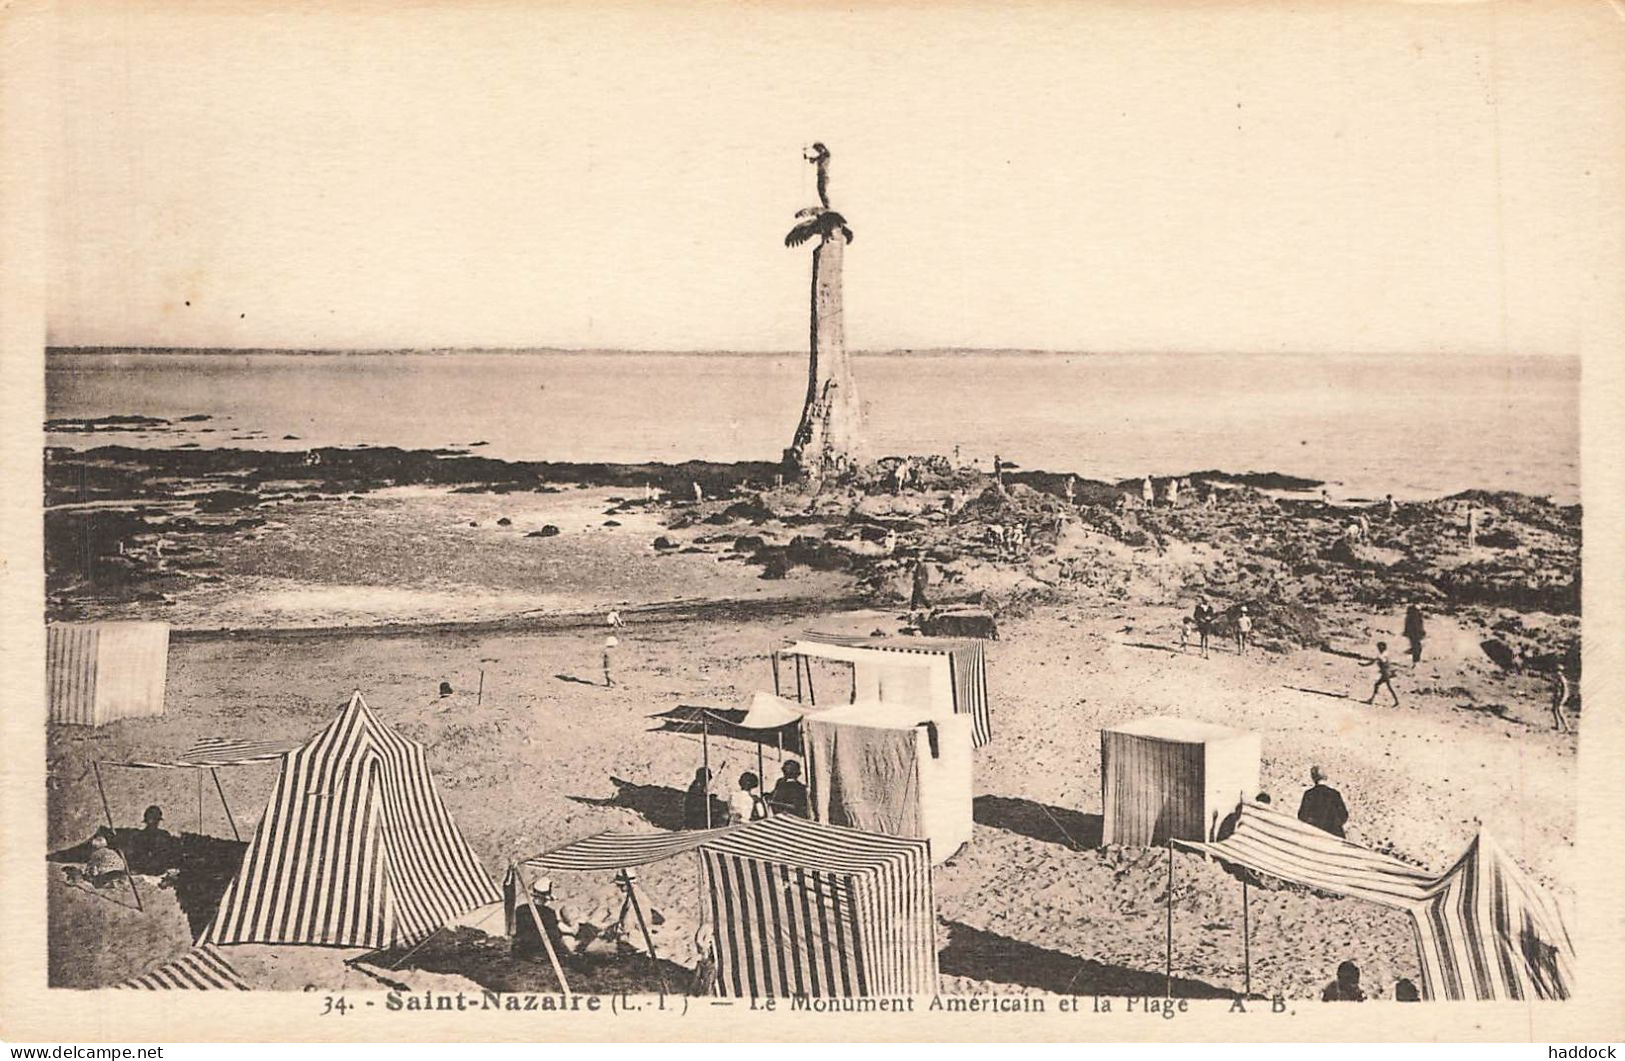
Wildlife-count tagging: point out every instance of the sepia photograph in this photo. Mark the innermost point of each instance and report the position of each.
(1062, 520)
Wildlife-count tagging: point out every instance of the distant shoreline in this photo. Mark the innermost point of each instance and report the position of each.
(927, 352)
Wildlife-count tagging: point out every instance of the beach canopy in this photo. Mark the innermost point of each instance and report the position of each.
(944, 676)
(97, 673)
(202, 969)
(1165, 777)
(211, 752)
(1484, 930)
(355, 848)
(800, 909)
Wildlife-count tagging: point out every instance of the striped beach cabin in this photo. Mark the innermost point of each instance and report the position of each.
(934, 675)
(97, 673)
(355, 848)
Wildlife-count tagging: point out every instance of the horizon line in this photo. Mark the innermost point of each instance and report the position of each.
(105, 348)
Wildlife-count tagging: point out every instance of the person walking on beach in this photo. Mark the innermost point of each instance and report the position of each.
(1322, 805)
(1185, 625)
(1148, 492)
(1415, 632)
(1244, 630)
(609, 642)
(1561, 691)
(1173, 492)
(1385, 673)
(1071, 489)
(1203, 616)
(1393, 509)
(1472, 526)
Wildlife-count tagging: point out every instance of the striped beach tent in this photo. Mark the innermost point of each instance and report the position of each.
(1484, 930)
(954, 672)
(809, 910)
(97, 673)
(800, 909)
(1487, 931)
(355, 848)
(202, 969)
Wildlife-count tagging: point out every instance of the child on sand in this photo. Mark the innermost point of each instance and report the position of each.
(1244, 630)
(1385, 673)
(609, 642)
(1560, 697)
(1185, 625)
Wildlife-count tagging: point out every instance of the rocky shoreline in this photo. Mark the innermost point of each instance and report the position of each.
(129, 524)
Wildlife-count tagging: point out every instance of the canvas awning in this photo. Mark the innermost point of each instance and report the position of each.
(966, 659)
(214, 752)
(616, 851)
(202, 969)
(1484, 930)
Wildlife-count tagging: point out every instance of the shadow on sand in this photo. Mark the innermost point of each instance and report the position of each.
(661, 806)
(489, 962)
(1040, 821)
(202, 868)
(1318, 692)
(573, 680)
(978, 955)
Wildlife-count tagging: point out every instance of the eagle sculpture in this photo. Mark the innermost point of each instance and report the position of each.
(819, 220)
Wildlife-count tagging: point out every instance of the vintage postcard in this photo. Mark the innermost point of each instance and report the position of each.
(662, 521)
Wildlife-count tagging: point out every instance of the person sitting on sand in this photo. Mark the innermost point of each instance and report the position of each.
(701, 810)
(614, 620)
(152, 850)
(747, 804)
(789, 796)
(1322, 805)
(1346, 988)
(1561, 691)
(103, 867)
(1415, 632)
(1203, 617)
(1405, 991)
(556, 922)
(1385, 673)
(1244, 630)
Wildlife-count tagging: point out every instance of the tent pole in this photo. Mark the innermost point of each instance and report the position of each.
(1170, 965)
(547, 941)
(773, 656)
(799, 698)
(812, 694)
(1246, 942)
(761, 770)
(705, 760)
(111, 839)
(648, 940)
(200, 804)
(235, 835)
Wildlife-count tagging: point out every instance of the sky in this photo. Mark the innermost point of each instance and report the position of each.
(1320, 177)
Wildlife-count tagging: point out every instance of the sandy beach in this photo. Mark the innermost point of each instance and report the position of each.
(393, 587)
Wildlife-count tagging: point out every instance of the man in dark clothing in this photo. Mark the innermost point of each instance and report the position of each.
(922, 583)
(1322, 805)
(698, 799)
(152, 850)
(1204, 617)
(527, 940)
(1346, 988)
(789, 796)
(1415, 632)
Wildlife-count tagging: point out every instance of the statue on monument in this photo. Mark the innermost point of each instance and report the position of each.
(826, 439)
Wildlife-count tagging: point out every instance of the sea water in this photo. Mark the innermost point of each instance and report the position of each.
(1422, 426)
